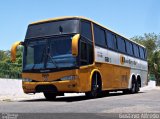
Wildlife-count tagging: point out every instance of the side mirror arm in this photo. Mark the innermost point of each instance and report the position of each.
(75, 41)
(14, 50)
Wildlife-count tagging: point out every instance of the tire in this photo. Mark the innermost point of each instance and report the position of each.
(133, 87)
(96, 87)
(137, 87)
(104, 93)
(50, 96)
(126, 91)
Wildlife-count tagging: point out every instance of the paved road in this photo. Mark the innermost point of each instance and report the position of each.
(73, 107)
(147, 101)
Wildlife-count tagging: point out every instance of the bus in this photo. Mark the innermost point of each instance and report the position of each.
(77, 55)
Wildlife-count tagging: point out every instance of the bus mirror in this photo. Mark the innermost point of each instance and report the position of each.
(75, 40)
(14, 50)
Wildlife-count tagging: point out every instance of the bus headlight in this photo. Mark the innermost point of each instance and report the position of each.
(27, 80)
(69, 78)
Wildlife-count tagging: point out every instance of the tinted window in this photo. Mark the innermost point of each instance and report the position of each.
(86, 29)
(136, 50)
(86, 53)
(111, 40)
(90, 53)
(129, 48)
(99, 36)
(83, 53)
(141, 52)
(53, 28)
(121, 44)
(145, 53)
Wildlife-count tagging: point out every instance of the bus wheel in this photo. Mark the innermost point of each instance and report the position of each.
(137, 88)
(138, 84)
(50, 96)
(96, 87)
(104, 93)
(133, 87)
(126, 91)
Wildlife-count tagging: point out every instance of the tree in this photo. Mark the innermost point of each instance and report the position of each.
(152, 43)
(9, 69)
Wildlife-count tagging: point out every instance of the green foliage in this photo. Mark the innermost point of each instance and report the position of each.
(9, 69)
(152, 43)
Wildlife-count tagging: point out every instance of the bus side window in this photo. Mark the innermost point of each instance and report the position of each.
(83, 53)
(99, 36)
(136, 50)
(86, 30)
(110, 41)
(86, 52)
(90, 53)
(129, 47)
(121, 44)
(141, 52)
(145, 54)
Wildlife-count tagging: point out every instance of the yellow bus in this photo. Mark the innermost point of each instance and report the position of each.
(75, 54)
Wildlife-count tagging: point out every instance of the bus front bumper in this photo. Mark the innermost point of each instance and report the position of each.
(61, 86)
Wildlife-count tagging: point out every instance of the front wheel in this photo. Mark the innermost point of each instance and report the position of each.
(50, 96)
(96, 87)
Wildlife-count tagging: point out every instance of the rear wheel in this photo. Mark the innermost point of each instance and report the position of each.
(138, 84)
(96, 87)
(133, 87)
(126, 91)
(50, 96)
(137, 87)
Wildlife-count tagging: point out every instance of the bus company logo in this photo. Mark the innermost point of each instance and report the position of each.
(122, 59)
(45, 77)
(127, 61)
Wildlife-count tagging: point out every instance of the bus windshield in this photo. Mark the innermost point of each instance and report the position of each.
(59, 27)
(48, 53)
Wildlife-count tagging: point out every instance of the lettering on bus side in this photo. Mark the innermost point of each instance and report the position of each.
(107, 59)
(128, 61)
(99, 54)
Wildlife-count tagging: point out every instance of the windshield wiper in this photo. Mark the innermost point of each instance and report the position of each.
(53, 61)
(43, 54)
(33, 66)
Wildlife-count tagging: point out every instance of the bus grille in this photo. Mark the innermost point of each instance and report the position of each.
(46, 88)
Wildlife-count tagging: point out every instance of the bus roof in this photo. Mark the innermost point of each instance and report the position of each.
(79, 17)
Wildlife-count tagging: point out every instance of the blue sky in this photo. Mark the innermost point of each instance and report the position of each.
(126, 17)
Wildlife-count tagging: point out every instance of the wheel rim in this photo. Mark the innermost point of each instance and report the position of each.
(95, 86)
